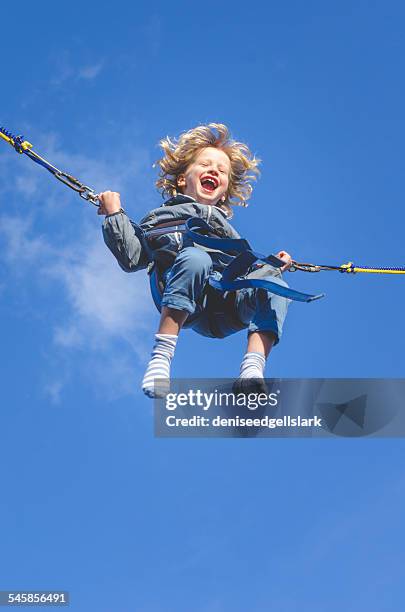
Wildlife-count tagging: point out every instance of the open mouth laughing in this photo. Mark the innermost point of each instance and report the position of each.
(209, 183)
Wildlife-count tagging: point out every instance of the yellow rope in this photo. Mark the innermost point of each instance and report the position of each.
(376, 271)
(352, 269)
(24, 145)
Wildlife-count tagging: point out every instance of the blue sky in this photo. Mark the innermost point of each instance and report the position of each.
(92, 502)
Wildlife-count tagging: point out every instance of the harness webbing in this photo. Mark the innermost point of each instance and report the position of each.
(232, 276)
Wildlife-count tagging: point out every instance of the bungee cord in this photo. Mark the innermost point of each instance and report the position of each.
(22, 146)
(349, 268)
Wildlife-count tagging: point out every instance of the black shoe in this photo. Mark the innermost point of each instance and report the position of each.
(246, 386)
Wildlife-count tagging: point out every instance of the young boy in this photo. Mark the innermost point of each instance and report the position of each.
(204, 172)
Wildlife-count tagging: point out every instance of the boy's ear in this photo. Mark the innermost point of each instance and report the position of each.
(181, 180)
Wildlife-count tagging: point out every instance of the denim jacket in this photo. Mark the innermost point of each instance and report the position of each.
(126, 239)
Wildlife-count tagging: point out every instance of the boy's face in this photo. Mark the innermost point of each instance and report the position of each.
(207, 177)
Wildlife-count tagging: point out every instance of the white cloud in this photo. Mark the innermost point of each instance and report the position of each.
(22, 245)
(68, 336)
(90, 72)
(28, 184)
(53, 390)
(109, 315)
(66, 70)
(107, 303)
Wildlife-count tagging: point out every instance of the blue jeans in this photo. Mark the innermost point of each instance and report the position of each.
(216, 314)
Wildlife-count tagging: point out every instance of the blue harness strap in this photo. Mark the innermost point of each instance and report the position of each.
(155, 288)
(233, 275)
(231, 246)
(240, 266)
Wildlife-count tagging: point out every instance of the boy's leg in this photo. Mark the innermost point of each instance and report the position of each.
(186, 280)
(171, 321)
(159, 365)
(265, 313)
(251, 374)
(184, 286)
(261, 342)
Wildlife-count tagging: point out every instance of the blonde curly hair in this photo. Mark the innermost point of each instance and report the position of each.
(180, 152)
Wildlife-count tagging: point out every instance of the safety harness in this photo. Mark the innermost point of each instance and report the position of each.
(243, 258)
(242, 262)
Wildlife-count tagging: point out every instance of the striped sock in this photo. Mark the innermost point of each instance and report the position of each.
(251, 375)
(252, 366)
(159, 365)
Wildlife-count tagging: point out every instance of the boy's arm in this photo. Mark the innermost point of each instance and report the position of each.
(124, 238)
(125, 241)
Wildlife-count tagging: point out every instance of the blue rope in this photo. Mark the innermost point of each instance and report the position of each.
(18, 140)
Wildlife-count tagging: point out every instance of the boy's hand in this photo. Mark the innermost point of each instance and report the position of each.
(110, 203)
(284, 256)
